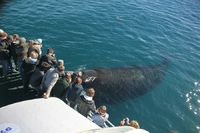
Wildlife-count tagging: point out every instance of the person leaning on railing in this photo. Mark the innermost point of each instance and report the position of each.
(100, 116)
(133, 123)
(85, 102)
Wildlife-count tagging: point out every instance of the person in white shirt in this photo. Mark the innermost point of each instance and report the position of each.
(50, 78)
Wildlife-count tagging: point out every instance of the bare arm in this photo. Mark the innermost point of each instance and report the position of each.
(53, 82)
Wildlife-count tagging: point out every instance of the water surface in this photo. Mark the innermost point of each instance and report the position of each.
(89, 34)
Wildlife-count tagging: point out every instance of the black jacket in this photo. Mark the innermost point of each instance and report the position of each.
(28, 67)
(51, 60)
(73, 91)
(84, 106)
(4, 50)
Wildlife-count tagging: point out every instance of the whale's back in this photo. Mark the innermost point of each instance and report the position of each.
(123, 83)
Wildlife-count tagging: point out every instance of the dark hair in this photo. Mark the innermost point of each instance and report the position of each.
(9, 37)
(49, 50)
(61, 68)
(78, 80)
(15, 36)
(67, 75)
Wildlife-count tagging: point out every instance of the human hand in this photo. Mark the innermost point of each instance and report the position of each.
(7, 51)
(122, 122)
(45, 96)
(127, 120)
(97, 111)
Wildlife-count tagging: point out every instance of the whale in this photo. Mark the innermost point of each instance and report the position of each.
(119, 84)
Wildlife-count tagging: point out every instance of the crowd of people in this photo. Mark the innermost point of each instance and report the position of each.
(47, 76)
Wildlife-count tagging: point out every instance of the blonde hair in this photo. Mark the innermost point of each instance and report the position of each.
(102, 109)
(134, 124)
(90, 92)
(22, 40)
(4, 34)
(33, 55)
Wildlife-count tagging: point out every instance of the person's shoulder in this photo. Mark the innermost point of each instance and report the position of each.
(35, 46)
(3, 42)
(46, 55)
(107, 115)
(79, 99)
(97, 117)
(55, 75)
(49, 71)
(62, 80)
(79, 86)
(25, 45)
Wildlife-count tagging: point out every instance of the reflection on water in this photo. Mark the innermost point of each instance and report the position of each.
(193, 99)
(88, 34)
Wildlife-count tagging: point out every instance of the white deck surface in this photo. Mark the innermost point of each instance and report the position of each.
(43, 116)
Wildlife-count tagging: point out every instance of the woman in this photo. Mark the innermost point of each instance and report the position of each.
(29, 66)
(100, 116)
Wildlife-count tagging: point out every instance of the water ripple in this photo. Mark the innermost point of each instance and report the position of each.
(120, 33)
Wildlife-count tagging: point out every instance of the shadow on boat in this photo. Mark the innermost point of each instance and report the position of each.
(11, 90)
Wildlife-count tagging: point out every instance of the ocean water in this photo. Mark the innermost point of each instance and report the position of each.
(87, 34)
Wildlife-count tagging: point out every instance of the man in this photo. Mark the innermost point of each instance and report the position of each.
(29, 65)
(14, 43)
(85, 103)
(36, 46)
(50, 78)
(21, 52)
(61, 85)
(49, 57)
(5, 53)
(73, 91)
(36, 77)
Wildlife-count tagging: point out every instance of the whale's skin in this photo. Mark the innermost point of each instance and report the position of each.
(118, 84)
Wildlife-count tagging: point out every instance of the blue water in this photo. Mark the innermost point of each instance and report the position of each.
(89, 34)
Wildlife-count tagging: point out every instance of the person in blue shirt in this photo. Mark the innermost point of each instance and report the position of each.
(100, 116)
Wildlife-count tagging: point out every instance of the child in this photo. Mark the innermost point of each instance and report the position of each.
(100, 116)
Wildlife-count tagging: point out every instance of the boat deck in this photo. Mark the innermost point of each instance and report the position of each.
(43, 116)
(29, 114)
(11, 90)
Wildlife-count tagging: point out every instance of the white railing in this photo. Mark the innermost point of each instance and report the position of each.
(107, 122)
